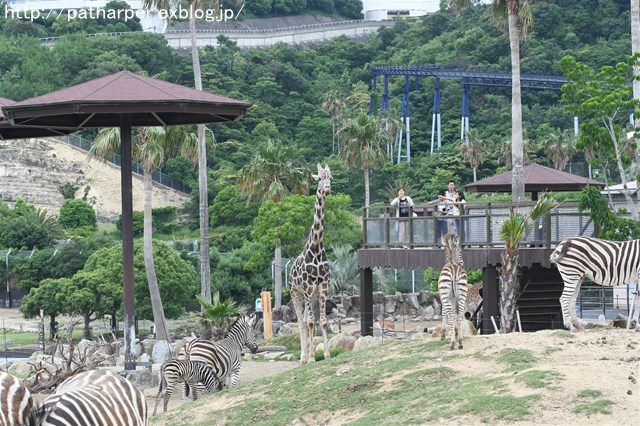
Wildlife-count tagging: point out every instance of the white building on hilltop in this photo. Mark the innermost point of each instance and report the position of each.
(380, 10)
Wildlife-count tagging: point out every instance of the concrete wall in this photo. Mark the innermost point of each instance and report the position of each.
(179, 39)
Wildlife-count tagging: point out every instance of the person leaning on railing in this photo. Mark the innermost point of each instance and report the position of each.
(442, 208)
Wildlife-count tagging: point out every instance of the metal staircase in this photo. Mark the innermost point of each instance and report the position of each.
(539, 302)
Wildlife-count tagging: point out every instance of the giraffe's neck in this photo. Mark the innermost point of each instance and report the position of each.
(315, 241)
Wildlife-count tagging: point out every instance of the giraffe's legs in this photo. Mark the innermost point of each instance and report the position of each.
(311, 328)
(297, 299)
(323, 320)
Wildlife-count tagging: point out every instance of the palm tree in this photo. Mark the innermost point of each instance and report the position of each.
(560, 148)
(518, 15)
(216, 317)
(332, 104)
(475, 151)
(272, 175)
(512, 231)
(364, 145)
(203, 191)
(149, 147)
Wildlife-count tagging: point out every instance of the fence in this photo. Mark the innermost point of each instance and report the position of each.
(479, 225)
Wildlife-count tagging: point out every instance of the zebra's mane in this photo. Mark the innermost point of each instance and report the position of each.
(239, 324)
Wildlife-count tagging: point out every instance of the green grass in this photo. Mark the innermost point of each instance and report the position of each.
(19, 338)
(587, 403)
(563, 334)
(539, 379)
(517, 359)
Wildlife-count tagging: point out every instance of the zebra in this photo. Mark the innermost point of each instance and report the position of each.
(94, 397)
(452, 287)
(15, 401)
(225, 355)
(191, 373)
(607, 263)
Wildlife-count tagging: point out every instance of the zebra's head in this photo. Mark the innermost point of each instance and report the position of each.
(243, 329)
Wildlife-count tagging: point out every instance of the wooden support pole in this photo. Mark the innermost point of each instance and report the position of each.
(265, 297)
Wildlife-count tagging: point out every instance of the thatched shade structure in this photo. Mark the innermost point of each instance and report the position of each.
(537, 178)
(125, 100)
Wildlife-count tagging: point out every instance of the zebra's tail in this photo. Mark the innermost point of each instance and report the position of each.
(560, 251)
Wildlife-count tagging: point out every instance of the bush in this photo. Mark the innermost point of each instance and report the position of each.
(77, 214)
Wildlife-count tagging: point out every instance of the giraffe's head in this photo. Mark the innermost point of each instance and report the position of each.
(324, 178)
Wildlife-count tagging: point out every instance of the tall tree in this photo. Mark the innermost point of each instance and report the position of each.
(475, 151)
(603, 100)
(149, 147)
(635, 49)
(364, 145)
(560, 148)
(332, 104)
(214, 6)
(272, 175)
(519, 18)
(512, 232)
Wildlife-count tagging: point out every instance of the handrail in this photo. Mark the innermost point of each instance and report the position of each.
(479, 226)
(136, 167)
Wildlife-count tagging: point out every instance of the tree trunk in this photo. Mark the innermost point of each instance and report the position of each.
(205, 267)
(475, 174)
(149, 265)
(623, 175)
(278, 277)
(86, 331)
(509, 288)
(517, 146)
(366, 186)
(53, 328)
(635, 48)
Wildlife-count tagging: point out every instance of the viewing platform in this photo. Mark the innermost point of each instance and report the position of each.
(482, 248)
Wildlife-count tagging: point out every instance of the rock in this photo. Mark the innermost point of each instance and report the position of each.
(342, 341)
(286, 329)
(161, 352)
(273, 355)
(366, 342)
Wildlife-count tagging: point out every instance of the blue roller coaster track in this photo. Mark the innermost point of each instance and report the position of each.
(468, 78)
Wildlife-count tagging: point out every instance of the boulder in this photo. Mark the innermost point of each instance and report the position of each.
(161, 352)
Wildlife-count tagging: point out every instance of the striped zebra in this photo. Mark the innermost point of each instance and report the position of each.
(15, 401)
(179, 371)
(225, 356)
(607, 263)
(452, 287)
(93, 398)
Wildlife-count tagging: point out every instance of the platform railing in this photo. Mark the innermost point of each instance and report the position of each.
(479, 226)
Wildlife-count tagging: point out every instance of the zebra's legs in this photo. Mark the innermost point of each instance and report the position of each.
(568, 303)
(233, 377)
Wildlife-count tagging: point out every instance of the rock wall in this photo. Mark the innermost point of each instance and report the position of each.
(33, 169)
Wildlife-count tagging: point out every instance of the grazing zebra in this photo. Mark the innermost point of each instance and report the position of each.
(15, 401)
(191, 373)
(452, 287)
(93, 398)
(607, 263)
(225, 355)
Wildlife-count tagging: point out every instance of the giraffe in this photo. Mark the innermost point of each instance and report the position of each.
(309, 276)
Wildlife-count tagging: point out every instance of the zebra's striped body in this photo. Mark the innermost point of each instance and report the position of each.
(191, 373)
(607, 263)
(452, 287)
(15, 401)
(225, 355)
(95, 398)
